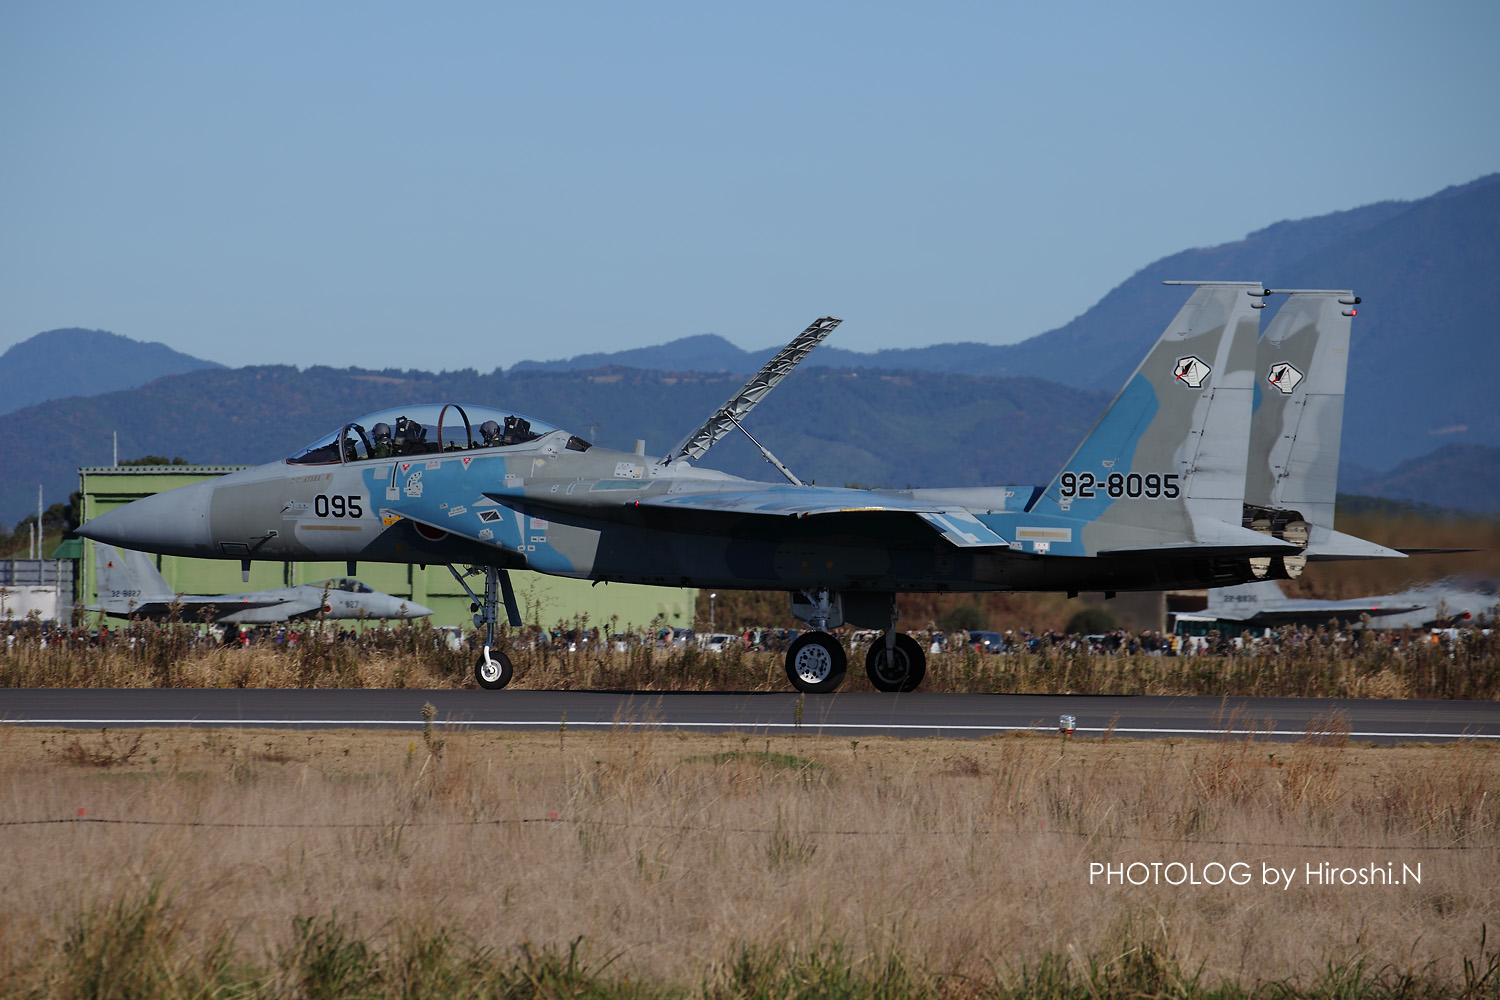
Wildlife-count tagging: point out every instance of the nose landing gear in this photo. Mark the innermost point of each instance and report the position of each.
(493, 670)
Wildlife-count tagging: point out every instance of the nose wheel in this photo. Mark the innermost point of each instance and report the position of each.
(494, 670)
(898, 666)
(815, 663)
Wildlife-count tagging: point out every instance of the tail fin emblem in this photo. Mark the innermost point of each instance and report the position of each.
(1191, 371)
(1284, 377)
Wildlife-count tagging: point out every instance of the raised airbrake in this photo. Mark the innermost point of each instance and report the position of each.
(1152, 499)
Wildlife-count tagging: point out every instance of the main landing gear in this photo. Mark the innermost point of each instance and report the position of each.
(493, 670)
(895, 662)
(816, 662)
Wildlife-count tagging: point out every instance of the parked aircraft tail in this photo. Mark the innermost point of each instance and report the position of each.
(1244, 600)
(128, 580)
(1166, 463)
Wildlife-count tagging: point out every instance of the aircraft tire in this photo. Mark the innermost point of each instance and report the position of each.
(496, 673)
(816, 663)
(905, 674)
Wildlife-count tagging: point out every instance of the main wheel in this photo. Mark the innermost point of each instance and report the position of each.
(494, 671)
(900, 672)
(815, 663)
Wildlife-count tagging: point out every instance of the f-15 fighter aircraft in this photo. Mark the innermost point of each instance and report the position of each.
(1152, 499)
(1262, 605)
(130, 585)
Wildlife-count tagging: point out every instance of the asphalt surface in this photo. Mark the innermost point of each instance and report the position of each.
(857, 714)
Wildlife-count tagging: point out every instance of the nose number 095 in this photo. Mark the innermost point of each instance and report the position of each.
(337, 506)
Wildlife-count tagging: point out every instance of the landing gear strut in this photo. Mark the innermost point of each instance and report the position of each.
(493, 670)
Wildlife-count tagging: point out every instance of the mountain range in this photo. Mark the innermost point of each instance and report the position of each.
(1423, 351)
(837, 427)
(1422, 420)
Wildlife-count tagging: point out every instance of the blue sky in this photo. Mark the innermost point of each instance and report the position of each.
(468, 185)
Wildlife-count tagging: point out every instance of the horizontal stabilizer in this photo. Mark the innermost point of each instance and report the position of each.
(1214, 539)
(1325, 543)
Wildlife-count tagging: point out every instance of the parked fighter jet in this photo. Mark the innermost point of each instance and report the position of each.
(1152, 499)
(1262, 604)
(130, 585)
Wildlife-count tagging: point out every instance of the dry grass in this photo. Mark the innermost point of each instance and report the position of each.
(1311, 664)
(678, 858)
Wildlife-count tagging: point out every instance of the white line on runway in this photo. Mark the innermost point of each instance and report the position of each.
(810, 727)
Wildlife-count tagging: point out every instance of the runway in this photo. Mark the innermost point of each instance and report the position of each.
(851, 715)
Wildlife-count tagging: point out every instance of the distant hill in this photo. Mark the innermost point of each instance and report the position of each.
(836, 427)
(1459, 476)
(709, 352)
(76, 362)
(1426, 342)
(839, 427)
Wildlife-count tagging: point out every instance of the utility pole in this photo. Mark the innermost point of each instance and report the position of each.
(38, 521)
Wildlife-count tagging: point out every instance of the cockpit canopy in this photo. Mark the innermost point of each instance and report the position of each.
(425, 429)
(348, 585)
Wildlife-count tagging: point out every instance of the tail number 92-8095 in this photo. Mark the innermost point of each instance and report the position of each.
(337, 506)
(1151, 485)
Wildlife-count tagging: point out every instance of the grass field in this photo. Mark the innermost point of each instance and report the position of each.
(1351, 665)
(642, 863)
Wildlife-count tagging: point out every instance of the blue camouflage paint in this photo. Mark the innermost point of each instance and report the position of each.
(1115, 439)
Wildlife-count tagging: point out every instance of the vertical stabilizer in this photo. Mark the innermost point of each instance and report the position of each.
(127, 579)
(1292, 484)
(1300, 368)
(1244, 600)
(1166, 463)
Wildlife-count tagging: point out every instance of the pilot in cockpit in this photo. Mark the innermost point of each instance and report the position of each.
(410, 437)
(517, 430)
(383, 447)
(490, 432)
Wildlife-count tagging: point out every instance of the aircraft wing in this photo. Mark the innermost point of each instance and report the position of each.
(1316, 613)
(227, 601)
(956, 524)
(953, 522)
(162, 607)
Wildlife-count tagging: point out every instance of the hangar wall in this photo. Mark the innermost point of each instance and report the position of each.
(544, 599)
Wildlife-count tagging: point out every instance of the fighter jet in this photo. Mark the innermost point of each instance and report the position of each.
(1153, 498)
(1262, 604)
(131, 586)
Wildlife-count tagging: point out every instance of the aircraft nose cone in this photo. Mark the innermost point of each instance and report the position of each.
(415, 610)
(174, 523)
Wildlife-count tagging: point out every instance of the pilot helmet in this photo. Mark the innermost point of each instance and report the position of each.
(382, 432)
(491, 432)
